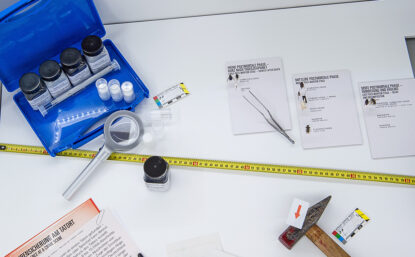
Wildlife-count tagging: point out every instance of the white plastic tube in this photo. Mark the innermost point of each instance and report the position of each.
(115, 90)
(127, 89)
(102, 88)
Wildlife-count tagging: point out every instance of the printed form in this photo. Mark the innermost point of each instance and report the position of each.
(265, 79)
(327, 109)
(389, 113)
(84, 232)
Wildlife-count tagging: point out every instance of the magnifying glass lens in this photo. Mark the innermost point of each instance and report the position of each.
(124, 131)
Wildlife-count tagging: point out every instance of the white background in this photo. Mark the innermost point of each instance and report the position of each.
(138, 10)
(249, 211)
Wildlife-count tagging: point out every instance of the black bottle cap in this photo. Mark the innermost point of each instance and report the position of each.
(30, 84)
(155, 167)
(71, 58)
(92, 45)
(50, 70)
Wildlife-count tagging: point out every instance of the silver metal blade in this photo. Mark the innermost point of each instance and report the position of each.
(314, 213)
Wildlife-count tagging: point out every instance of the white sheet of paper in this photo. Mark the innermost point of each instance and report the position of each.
(265, 78)
(217, 253)
(390, 123)
(298, 212)
(101, 236)
(327, 109)
(197, 247)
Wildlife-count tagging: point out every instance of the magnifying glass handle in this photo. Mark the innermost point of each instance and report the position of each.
(102, 155)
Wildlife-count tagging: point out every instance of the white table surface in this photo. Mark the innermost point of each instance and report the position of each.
(121, 11)
(248, 211)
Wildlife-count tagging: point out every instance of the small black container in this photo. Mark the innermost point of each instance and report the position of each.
(95, 53)
(92, 46)
(34, 89)
(54, 78)
(156, 174)
(50, 70)
(75, 66)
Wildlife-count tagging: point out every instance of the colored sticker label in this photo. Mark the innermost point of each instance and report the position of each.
(349, 227)
(171, 95)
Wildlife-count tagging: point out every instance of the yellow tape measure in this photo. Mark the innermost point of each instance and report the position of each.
(227, 165)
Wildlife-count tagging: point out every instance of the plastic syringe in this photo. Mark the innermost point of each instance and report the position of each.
(113, 67)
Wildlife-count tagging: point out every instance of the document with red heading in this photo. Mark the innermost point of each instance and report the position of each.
(84, 232)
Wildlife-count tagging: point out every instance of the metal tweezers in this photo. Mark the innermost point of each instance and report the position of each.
(270, 120)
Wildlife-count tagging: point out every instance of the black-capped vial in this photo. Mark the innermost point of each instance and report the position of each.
(95, 53)
(55, 79)
(74, 65)
(156, 174)
(35, 90)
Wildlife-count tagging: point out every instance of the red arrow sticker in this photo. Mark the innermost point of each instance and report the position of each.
(297, 214)
(298, 208)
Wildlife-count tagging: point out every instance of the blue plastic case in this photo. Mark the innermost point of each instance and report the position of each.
(33, 31)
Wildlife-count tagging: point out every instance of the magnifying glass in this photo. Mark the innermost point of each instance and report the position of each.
(123, 131)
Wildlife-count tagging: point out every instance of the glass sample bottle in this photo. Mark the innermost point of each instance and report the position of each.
(35, 90)
(95, 53)
(156, 174)
(74, 65)
(54, 78)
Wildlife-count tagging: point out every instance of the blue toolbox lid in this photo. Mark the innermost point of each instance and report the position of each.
(32, 31)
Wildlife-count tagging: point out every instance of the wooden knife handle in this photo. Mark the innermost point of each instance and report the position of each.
(325, 243)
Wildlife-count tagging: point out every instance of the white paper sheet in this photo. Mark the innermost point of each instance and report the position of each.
(216, 253)
(205, 246)
(390, 118)
(265, 78)
(327, 109)
(196, 247)
(102, 236)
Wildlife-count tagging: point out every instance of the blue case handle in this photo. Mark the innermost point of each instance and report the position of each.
(17, 8)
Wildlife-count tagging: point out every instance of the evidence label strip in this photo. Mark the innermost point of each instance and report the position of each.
(227, 165)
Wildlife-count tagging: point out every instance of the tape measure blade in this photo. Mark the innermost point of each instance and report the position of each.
(227, 165)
